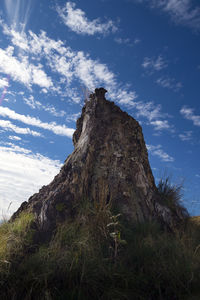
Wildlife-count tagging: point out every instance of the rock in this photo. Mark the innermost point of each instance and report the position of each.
(109, 164)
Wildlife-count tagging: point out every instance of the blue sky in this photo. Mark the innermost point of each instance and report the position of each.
(53, 53)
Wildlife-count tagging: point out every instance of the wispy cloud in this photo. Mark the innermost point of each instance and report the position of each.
(77, 66)
(73, 117)
(9, 126)
(17, 38)
(183, 12)
(188, 113)
(127, 41)
(152, 64)
(21, 70)
(14, 138)
(153, 114)
(148, 110)
(169, 83)
(161, 125)
(31, 102)
(22, 174)
(158, 151)
(3, 83)
(123, 96)
(119, 40)
(137, 41)
(52, 126)
(78, 22)
(71, 66)
(186, 136)
(35, 104)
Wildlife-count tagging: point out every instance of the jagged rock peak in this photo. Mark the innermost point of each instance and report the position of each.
(100, 93)
(108, 165)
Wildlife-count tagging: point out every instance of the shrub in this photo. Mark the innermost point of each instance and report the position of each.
(170, 195)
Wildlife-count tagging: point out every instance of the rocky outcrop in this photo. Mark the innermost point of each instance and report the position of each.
(109, 164)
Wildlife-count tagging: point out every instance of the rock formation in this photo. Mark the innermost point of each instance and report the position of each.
(108, 165)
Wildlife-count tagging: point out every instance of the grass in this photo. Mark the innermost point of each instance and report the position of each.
(98, 255)
(15, 236)
(170, 195)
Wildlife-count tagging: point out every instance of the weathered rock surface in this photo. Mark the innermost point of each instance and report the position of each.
(108, 165)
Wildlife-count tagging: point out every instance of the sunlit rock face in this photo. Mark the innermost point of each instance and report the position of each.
(109, 164)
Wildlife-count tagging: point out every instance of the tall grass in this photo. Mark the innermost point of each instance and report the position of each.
(170, 195)
(99, 255)
(15, 236)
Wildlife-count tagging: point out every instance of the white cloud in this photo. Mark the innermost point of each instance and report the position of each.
(4, 83)
(52, 110)
(169, 83)
(186, 136)
(73, 117)
(18, 39)
(74, 95)
(42, 44)
(8, 126)
(22, 70)
(22, 174)
(122, 95)
(14, 138)
(11, 66)
(57, 129)
(181, 11)
(45, 91)
(153, 114)
(122, 41)
(77, 21)
(160, 124)
(137, 41)
(31, 102)
(127, 41)
(34, 104)
(158, 151)
(154, 64)
(40, 78)
(77, 66)
(188, 113)
(73, 66)
(69, 64)
(62, 65)
(148, 110)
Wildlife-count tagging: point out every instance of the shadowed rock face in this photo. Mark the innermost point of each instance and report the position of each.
(108, 165)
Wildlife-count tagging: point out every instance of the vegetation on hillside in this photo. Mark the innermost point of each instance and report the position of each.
(98, 255)
(170, 195)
